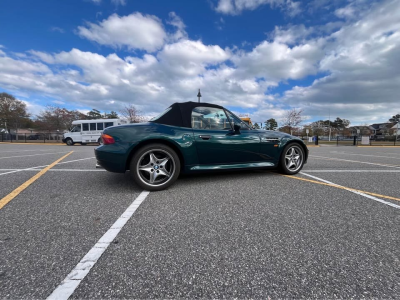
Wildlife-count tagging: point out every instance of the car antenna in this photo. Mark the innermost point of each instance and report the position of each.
(199, 95)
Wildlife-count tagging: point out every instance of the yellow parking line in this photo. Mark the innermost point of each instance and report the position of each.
(342, 187)
(27, 183)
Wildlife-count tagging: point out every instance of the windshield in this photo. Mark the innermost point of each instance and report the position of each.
(237, 121)
(160, 115)
(76, 128)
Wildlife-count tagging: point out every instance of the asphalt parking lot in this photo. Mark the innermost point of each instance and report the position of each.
(251, 234)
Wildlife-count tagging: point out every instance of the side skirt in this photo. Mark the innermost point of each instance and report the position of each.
(231, 166)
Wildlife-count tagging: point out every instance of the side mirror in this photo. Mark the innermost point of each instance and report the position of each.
(236, 128)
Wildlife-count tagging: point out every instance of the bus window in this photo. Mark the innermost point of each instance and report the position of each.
(100, 126)
(92, 126)
(108, 124)
(85, 127)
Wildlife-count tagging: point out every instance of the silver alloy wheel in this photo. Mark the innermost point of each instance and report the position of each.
(155, 167)
(294, 158)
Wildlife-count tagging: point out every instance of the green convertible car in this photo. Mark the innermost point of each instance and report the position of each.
(193, 137)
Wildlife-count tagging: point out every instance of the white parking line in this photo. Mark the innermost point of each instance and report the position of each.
(32, 155)
(370, 155)
(74, 278)
(355, 192)
(355, 161)
(29, 169)
(57, 170)
(353, 171)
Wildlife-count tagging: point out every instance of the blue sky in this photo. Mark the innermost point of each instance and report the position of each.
(261, 57)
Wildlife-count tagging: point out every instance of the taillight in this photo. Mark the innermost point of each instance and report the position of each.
(107, 139)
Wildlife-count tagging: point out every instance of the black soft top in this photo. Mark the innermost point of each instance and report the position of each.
(180, 113)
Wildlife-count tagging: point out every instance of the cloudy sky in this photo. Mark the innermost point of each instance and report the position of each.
(337, 57)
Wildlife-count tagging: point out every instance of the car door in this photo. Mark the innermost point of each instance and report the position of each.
(217, 143)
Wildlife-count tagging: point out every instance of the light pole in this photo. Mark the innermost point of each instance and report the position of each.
(199, 95)
(329, 124)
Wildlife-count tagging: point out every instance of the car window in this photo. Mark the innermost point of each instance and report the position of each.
(237, 121)
(85, 127)
(209, 118)
(100, 126)
(108, 124)
(92, 126)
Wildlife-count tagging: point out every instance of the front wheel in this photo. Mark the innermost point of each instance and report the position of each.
(292, 159)
(155, 167)
(70, 142)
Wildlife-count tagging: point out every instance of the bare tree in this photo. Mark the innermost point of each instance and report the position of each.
(13, 112)
(57, 118)
(292, 118)
(131, 114)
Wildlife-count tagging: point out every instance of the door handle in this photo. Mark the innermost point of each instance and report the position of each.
(205, 137)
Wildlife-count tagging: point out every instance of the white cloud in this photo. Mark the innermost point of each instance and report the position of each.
(190, 57)
(43, 56)
(293, 8)
(135, 31)
(292, 34)
(118, 2)
(358, 59)
(57, 29)
(276, 61)
(345, 12)
(362, 61)
(236, 7)
(177, 22)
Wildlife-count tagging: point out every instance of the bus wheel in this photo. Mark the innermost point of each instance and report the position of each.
(99, 141)
(69, 142)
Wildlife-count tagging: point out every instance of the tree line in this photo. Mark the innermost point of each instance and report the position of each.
(14, 115)
(293, 118)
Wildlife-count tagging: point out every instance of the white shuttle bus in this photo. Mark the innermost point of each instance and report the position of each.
(89, 131)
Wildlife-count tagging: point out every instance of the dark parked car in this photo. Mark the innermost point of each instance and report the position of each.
(194, 137)
(34, 137)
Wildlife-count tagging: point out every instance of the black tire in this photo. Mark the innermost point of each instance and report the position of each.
(69, 142)
(165, 161)
(285, 161)
(99, 141)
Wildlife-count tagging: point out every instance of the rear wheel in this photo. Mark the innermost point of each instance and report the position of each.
(155, 167)
(292, 159)
(69, 142)
(99, 141)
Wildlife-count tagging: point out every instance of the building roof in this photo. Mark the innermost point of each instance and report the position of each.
(380, 125)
